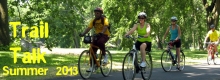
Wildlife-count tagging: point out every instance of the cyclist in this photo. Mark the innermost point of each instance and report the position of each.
(101, 30)
(143, 29)
(175, 32)
(213, 35)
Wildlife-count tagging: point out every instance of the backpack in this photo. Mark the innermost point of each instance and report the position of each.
(102, 21)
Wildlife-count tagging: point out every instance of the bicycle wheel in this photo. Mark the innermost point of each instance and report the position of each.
(166, 61)
(107, 68)
(84, 63)
(209, 57)
(147, 71)
(182, 60)
(128, 68)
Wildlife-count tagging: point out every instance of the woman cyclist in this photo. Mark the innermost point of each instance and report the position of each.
(175, 33)
(143, 30)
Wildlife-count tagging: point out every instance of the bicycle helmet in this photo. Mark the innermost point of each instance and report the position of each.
(142, 14)
(99, 10)
(174, 18)
(212, 26)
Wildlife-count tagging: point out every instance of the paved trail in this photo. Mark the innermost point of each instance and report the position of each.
(191, 72)
(194, 72)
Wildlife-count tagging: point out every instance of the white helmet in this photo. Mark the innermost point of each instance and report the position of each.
(174, 18)
(142, 14)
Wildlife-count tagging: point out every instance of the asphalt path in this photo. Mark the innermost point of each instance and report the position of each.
(190, 72)
(201, 71)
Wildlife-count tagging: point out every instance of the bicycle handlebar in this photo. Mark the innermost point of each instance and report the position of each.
(93, 35)
(209, 43)
(134, 37)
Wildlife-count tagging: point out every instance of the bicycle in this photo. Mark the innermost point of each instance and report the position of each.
(168, 59)
(131, 67)
(88, 59)
(211, 53)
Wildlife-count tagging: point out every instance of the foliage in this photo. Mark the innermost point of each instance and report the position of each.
(67, 18)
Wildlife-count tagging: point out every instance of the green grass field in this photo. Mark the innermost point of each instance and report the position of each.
(55, 60)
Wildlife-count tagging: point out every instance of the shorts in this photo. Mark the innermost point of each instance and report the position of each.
(138, 44)
(177, 43)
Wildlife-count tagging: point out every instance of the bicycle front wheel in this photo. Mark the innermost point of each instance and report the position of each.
(209, 57)
(107, 67)
(85, 62)
(128, 68)
(147, 71)
(182, 60)
(166, 61)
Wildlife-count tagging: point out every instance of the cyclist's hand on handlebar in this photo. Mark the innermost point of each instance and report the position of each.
(99, 34)
(81, 35)
(127, 36)
(140, 36)
(216, 42)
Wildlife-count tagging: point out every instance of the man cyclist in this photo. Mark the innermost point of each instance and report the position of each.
(100, 25)
(175, 33)
(213, 35)
(143, 29)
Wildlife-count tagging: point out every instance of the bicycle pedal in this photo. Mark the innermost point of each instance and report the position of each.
(137, 70)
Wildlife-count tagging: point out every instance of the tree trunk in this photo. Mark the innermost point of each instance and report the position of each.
(212, 12)
(159, 45)
(4, 28)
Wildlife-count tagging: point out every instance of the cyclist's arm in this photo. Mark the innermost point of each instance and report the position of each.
(148, 31)
(165, 35)
(132, 30)
(86, 31)
(207, 36)
(90, 26)
(179, 33)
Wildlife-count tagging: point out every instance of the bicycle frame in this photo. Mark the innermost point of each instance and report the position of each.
(171, 53)
(92, 54)
(211, 50)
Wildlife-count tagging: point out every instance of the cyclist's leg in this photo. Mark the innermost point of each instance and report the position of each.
(142, 46)
(178, 45)
(143, 54)
(216, 48)
(101, 44)
(207, 48)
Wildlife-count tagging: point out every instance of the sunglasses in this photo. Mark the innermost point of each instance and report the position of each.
(141, 18)
(173, 20)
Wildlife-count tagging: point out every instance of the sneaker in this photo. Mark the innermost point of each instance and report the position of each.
(143, 64)
(216, 54)
(105, 61)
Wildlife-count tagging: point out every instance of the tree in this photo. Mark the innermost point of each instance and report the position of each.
(4, 28)
(212, 12)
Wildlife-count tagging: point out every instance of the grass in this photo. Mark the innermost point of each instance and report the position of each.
(55, 60)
